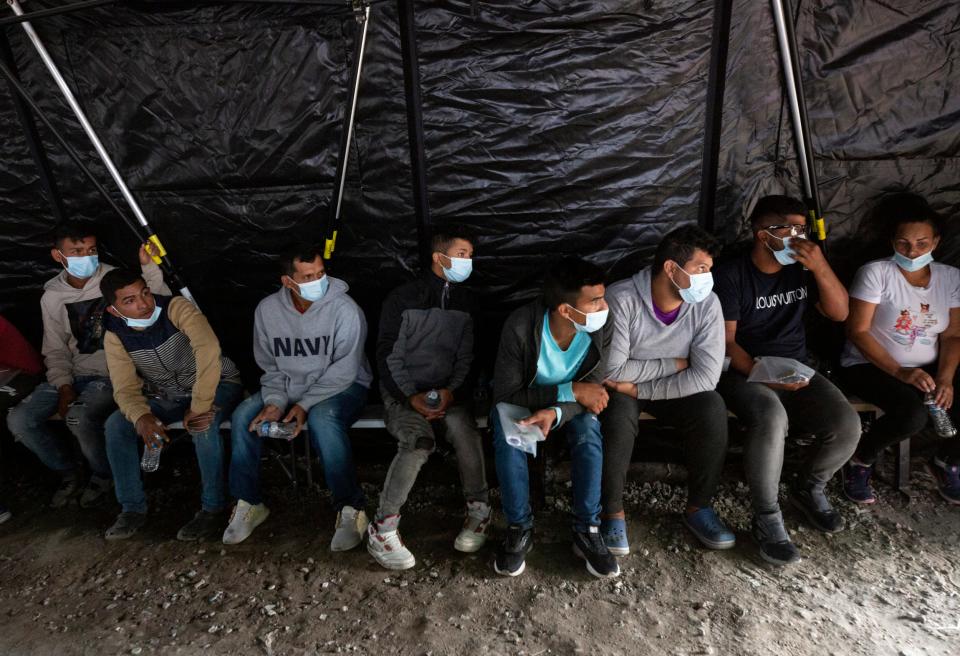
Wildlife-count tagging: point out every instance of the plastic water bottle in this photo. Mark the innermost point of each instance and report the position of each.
(151, 456)
(433, 399)
(277, 430)
(941, 419)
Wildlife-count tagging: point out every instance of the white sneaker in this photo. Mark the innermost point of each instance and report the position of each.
(351, 525)
(244, 519)
(385, 545)
(473, 535)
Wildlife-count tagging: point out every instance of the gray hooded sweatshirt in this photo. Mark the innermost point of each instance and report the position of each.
(73, 324)
(644, 351)
(310, 357)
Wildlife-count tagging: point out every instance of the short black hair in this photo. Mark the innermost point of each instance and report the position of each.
(679, 245)
(445, 236)
(894, 210)
(72, 230)
(775, 206)
(299, 253)
(565, 279)
(117, 279)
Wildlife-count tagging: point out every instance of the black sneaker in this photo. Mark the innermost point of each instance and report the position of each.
(817, 509)
(126, 525)
(772, 538)
(511, 555)
(589, 546)
(204, 526)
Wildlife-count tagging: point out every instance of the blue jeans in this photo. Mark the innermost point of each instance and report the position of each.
(586, 454)
(28, 424)
(123, 449)
(327, 425)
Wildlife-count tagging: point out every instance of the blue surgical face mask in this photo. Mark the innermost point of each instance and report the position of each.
(459, 270)
(141, 323)
(915, 264)
(784, 257)
(313, 290)
(595, 320)
(701, 284)
(82, 267)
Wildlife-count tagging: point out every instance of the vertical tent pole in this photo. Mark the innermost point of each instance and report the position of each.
(786, 39)
(362, 13)
(716, 85)
(418, 163)
(155, 247)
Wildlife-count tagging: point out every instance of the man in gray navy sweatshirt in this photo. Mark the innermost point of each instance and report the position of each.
(308, 339)
(665, 357)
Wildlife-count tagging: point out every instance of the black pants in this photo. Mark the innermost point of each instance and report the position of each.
(700, 419)
(904, 414)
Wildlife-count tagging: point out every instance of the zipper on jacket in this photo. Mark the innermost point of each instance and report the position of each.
(445, 295)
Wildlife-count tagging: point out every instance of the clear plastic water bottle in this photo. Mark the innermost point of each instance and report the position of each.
(432, 399)
(941, 418)
(151, 456)
(277, 430)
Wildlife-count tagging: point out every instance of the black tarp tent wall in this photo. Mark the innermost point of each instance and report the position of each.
(550, 127)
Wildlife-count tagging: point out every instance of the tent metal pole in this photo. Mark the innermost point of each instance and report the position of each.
(716, 85)
(362, 14)
(56, 11)
(32, 136)
(418, 159)
(786, 40)
(154, 246)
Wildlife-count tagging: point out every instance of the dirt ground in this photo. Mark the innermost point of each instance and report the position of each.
(887, 585)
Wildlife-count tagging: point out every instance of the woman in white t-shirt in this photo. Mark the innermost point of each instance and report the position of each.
(903, 342)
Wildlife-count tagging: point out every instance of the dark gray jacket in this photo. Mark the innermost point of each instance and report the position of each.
(516, 367)
(426, 337)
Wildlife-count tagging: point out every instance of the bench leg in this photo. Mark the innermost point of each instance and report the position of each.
(293, 467)
(902, 475)
(306, 450)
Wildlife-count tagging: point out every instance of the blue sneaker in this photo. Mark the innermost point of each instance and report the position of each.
(709, 529)
(856, 483)
(614, 533)
(948, 480)
(4, 513)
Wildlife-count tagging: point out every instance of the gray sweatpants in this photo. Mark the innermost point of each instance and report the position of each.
(417, 440)
(819, 409)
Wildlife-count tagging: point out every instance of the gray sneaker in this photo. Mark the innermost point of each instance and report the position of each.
(69, 488)
(204, 526)
(94, 492)
(126, 525)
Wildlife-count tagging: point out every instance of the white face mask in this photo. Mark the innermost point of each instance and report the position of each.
(595, 320)
(701, 284)
(459, 270)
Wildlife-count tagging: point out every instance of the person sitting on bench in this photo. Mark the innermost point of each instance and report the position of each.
(308, 339)
(20, 371)
(904, 343)
(764, 294)
(665, 357)
(426, 344)
(163, 348)
(550, 362)
(78, 383)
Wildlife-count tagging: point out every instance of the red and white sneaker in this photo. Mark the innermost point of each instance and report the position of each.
(473, 535)
(385, 545)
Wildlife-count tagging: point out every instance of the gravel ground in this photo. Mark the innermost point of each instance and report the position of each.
(886, 585)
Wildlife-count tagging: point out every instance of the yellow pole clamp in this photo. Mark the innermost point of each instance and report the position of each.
(818, 225)
(330, 245)
(155, 249)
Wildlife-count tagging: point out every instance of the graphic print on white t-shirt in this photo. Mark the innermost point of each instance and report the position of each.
(914, 327)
